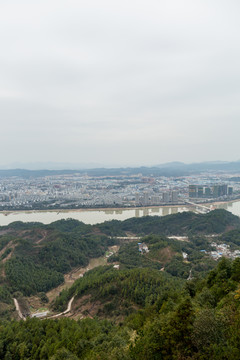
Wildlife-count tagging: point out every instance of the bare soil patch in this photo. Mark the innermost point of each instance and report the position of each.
(83, 307)
(162, 256)
(3, 232)
(9, 255)
(35, 303)
(86, 307)
(75, 274)
(44, 234)
(12, 245)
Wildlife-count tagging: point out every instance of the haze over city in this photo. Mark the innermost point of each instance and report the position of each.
(119, 83)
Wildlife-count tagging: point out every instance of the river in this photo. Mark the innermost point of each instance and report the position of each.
(97, 216)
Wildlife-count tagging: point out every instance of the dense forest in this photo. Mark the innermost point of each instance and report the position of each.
(169, 301)
(120, 290)
(49, 251)
(198, 319)
(214, 222)
(34, 257)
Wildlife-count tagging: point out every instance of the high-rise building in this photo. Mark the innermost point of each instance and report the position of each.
(193, 191)
(200, 191)
(137, 199)
(220, 190)
(207, 192)
(146, 198)
(155, 200)
(174, 196)
(224, 189)
(216, 191)
(166, 197)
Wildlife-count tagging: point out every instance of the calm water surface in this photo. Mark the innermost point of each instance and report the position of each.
(232, 206)
(98, 216)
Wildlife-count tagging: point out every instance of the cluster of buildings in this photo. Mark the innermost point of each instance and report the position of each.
(167, 197)
(73, 191)
(142, 248)
(221, 250)
(214, 191)
(81, 190)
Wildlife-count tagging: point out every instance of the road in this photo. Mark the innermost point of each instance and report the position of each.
(79, 272)
(69, 307)
(18, 309)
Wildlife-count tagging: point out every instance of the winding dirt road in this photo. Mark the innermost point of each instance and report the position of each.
(18, 309)
(69, 280)
(69, 307)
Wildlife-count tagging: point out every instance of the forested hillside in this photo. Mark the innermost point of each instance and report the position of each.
(197, 320)
(157, 297)
(47, 252)
(214, 222)
(34, 257)
(120, 291)
(167, 254)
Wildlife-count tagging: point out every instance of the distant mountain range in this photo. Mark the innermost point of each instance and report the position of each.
(167, 169)
(207, 165)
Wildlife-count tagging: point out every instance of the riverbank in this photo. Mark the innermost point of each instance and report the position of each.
(7, 212)
(222, 202)
(99, 215)
(115, 209)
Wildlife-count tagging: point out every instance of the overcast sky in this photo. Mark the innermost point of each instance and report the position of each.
(119, 82)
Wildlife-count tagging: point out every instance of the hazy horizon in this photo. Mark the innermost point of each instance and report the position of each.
(119, 84)
(88, 166)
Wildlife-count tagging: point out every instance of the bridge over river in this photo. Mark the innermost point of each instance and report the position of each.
(200, 209)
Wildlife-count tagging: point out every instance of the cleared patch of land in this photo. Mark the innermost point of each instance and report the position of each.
(69, 278)
(162, 256)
